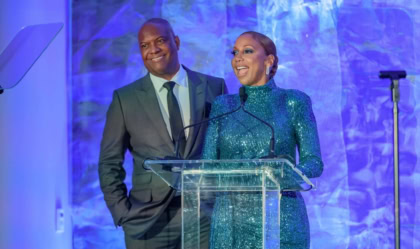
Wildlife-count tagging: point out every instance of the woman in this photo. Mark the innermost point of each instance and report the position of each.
(240, 136)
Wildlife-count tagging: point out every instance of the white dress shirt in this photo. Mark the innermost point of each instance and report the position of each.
(181, 93)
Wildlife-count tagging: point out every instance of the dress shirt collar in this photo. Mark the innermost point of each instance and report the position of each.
(179, 78)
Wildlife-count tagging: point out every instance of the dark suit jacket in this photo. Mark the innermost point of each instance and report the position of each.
(134, 122)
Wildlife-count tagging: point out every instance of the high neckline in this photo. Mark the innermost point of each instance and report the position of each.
(267, 87)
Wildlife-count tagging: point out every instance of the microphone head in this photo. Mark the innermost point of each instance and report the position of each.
(242, 95)
(393, 75)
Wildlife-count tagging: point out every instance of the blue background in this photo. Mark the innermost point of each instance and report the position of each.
(330, 49)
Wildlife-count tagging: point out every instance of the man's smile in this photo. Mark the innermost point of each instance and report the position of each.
(157, 59)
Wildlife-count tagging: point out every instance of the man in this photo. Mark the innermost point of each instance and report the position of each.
(145, 117)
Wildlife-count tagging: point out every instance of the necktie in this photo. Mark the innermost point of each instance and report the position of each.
(175, 118)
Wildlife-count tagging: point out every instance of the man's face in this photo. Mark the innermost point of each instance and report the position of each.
(159, 50)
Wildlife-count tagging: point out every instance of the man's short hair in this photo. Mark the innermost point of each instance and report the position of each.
(161, 21)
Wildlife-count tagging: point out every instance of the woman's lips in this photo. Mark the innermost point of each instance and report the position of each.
(242, 71)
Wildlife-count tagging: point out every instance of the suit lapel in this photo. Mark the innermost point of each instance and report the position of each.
(146, 96)
(197, 92)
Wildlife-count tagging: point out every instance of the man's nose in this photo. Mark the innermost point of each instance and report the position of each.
(154, 48)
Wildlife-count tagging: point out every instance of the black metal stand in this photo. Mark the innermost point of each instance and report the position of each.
(395, 76)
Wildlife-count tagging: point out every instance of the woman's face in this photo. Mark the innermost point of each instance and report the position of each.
(249, 61)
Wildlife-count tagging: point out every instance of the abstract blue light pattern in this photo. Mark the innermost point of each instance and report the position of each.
(330, 49)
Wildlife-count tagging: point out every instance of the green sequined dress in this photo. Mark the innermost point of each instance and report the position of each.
(235, 220)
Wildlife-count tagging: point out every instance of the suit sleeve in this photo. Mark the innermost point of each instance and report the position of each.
(114, 144)
(310, 162)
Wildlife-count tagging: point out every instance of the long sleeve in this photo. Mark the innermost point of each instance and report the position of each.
(306, 135)
(111, 172)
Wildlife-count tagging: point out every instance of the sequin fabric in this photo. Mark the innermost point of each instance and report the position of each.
(236, 219)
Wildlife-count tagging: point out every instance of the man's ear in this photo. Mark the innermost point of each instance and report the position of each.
(177, 42)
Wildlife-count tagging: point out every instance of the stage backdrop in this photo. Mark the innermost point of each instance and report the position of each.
(330, 49)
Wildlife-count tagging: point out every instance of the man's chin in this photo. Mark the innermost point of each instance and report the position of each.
(163, 70)
(158, 71)
(163, 74)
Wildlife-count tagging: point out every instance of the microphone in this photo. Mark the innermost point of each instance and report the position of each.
(199, 123)
(393, 75)
(243, 96)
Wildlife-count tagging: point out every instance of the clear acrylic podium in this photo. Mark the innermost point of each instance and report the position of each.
(202, 182)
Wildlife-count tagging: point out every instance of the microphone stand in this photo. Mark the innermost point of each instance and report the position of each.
(243, 97)
(395, 76)
(271, 152)
(177, 156)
